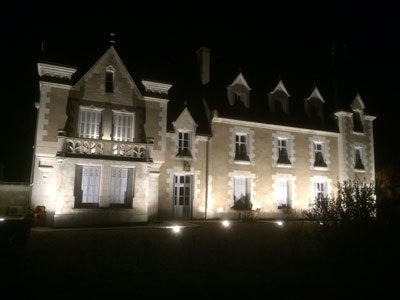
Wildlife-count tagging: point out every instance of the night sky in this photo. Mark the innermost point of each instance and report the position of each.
(157, 39)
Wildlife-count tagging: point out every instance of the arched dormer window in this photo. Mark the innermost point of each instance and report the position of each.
(109, 80)
(238, 92)
(278, 99)
(314, 106)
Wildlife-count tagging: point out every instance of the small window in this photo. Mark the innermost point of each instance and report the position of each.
(283, 157)
(184, 144)
(241, 147)
(282, 193)
(123, 127)
(358, 159)
(319, 152)
(89, 124)
(109, 82)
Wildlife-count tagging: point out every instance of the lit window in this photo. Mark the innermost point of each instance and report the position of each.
(123, 127)
(109, 82)
(241, 193)
(184, 144)
(89, 124)
(121, 186)
(319, 151)
(282, 193)
(241, 147)
(320, 190)
(283, 157)
(87, 186)
(358, 159)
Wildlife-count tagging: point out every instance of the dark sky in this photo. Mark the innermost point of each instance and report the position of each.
(264, 39)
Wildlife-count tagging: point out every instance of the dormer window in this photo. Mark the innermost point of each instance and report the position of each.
(184, 144)
(357, 122)
(238, 92)
(238, 97)
(278, 99)
(314, 105)
(109, 81)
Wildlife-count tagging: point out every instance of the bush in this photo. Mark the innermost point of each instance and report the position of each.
(355, 201)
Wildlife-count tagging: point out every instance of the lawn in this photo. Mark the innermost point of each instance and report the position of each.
(296, 261)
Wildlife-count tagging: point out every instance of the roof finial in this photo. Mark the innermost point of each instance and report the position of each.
(112, 39)
(185, 103)
(240, 70)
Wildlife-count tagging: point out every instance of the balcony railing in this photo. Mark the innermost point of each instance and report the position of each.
(82, 146)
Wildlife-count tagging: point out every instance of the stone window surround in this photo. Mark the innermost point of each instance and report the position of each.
(326, 154)
(292, 185)
(193, 142)
(289, 147)
(236, 130)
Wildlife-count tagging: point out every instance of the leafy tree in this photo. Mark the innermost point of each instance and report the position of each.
(354, 201)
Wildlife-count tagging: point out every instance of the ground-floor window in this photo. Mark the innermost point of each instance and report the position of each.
(282, 193)
(320, 190)
(121, 186)
(241, 193)
(87, 186)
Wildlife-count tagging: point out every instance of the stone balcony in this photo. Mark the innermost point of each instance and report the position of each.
(104, 149)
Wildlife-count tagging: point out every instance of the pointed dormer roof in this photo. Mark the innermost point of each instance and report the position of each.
(280, 87)
(110, 52)
(316, 95)
(184, 116)
(358, 103)
(240, 80)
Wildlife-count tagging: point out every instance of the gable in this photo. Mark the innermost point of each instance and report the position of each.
(240, 80)
(92, 86)
(280, 87)
(316, 95)
(358, 103)
(185, 121)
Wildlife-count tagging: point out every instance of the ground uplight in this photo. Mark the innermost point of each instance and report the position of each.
(226, 223)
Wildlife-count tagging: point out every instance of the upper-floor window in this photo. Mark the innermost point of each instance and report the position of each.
(358, 153)
(357, 122)
(109, 81)
(184, 143)
(319, 153)
(123, 126)
(283, 157)
(241, 147)
(89, 123)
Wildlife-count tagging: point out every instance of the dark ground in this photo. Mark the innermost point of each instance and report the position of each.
(251, 260)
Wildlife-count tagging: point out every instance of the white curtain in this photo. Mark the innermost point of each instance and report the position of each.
(123, 127)
(90, 184)
(119, 183)
(90, 123)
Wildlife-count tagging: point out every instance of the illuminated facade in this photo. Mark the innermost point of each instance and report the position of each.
(111, 150)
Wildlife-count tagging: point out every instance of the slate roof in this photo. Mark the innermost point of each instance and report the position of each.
(180, 68)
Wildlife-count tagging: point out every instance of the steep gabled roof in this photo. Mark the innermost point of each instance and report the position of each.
(280, 87)
(315, 94)
(358, 103)
(240, 80)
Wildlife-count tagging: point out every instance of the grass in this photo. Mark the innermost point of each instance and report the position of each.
(299, 260)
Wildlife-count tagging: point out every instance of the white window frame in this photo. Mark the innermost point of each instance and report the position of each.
(118, 185)
(239, 143)
(322, 151)
(362, 157)
(125, 137)
(281, 147)
(282, 194)
(91, 132)
(317, 185)
(181, 146)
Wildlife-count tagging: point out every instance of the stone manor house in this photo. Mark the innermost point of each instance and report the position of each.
(110, 149)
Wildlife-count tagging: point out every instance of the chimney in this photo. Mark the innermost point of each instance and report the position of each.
(203, 57)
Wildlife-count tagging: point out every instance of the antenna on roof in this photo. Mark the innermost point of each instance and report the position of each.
(43, 43)
(112, 39)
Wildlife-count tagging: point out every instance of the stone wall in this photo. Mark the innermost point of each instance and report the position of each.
(13, 194)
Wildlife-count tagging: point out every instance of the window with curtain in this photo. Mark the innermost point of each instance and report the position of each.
(282, 193)
(320, 190)
(121, 186)
(319, 152)
(283, 157)
(358, 159)
(184, 143)
(241, 147)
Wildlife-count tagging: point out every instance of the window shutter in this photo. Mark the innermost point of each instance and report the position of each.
(129, 188)
(77, 186)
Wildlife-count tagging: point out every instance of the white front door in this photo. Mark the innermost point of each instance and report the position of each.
(182, 196)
